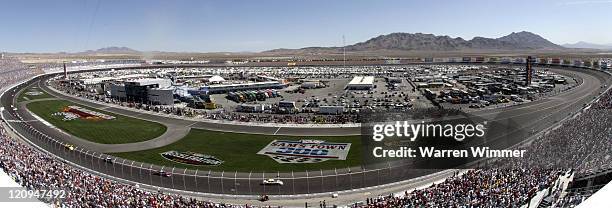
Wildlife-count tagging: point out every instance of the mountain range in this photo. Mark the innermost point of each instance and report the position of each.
(428, 42)
(583, 44)
(516, 41)
(112, 50)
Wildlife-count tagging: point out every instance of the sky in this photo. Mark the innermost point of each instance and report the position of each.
(239, 26)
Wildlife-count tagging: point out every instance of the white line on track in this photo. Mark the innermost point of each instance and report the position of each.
(104, 108)
(277, 130)
(194, 123)
(19, 121)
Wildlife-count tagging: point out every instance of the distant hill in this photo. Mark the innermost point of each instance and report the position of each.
(429, 42)
(528, 40)
(583, 44)
(112, 50)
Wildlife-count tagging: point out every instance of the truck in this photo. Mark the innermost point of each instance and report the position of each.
(587, 63)
(578, 63)
(242, 97)
(210, 105)
(250, 108)
(566, 62)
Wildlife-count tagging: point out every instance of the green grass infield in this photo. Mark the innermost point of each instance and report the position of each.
(239, 152)
(120, 130)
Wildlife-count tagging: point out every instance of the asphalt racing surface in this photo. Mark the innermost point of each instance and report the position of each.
(528, 118)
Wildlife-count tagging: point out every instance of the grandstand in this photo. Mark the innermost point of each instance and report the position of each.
(580, 147)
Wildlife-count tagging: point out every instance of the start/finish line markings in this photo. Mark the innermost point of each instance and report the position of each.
(277, 130)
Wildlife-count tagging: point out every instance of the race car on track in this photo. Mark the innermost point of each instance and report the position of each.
(162, 173)
(69, 147)
(272, 181)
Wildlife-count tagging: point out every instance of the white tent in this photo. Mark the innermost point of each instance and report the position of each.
(216, 79)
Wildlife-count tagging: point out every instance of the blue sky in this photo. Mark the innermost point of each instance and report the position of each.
(231, 25)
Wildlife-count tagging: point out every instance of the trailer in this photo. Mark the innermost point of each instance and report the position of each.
(331, 110)
(250, 108)
(287, 107)
(519, 60)
(505, 60)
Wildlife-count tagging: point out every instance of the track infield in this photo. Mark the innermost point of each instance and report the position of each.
(239, 152)
(120, 130)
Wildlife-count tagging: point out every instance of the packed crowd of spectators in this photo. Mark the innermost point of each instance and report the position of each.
(605, 102)
(475, 188)
(571, 201)
(576, 196)
(12, 69)
(583, 143)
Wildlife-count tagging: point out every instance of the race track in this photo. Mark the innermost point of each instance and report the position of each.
(529, 117)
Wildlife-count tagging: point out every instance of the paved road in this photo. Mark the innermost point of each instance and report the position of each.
(534, 116)
(227, 127)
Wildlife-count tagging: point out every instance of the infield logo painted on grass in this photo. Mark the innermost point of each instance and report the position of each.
(73, 112)
(34, 93)
(191, 158)
(305, 151)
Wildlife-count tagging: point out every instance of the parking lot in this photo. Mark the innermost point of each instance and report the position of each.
(327, 94)
(382, 95)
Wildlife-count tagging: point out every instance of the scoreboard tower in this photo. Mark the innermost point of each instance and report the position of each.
(65, 71)
(529, 70)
